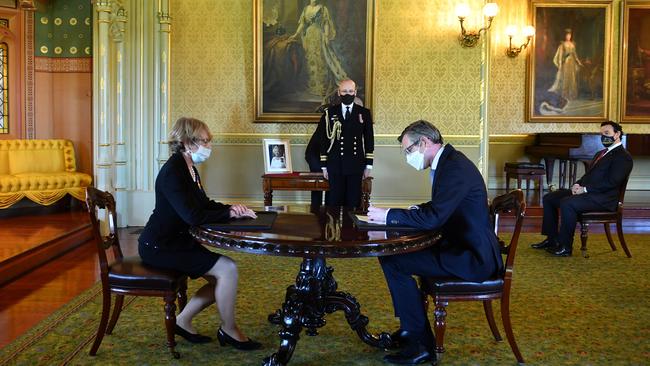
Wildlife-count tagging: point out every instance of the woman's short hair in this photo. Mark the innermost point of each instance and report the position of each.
(419, 129)
(186, 130)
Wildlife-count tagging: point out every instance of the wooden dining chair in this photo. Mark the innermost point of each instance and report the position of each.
(606, 218)
(128, 275)
(443, 290)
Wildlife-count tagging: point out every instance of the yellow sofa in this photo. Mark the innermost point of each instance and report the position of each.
(42, 170)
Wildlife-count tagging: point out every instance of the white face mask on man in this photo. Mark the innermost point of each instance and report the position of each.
(201, 154)
(416, 160)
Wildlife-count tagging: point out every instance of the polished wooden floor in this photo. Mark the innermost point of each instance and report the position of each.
(32, 297)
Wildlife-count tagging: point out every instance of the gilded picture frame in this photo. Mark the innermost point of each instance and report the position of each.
(569, 64)
(635, 65)
(303, 48)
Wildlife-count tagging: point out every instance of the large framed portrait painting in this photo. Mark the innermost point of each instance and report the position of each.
(569, 64)
(635, 80)
(303, 49)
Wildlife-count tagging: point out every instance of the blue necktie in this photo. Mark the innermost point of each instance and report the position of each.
(432, 174)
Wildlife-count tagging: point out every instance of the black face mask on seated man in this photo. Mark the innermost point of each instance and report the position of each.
(607, 141)
(347, 98)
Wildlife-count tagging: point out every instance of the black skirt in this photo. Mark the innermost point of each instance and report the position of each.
(183, 255)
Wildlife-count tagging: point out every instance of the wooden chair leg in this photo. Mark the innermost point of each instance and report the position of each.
(182, 296)
(609, 236)
(507, 326)
(170, 322)
(619, 230)
(101, 330)
(584, 231)
(440, 324)
(487, 306)
(119, 300)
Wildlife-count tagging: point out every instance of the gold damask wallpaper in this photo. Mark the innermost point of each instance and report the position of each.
(508, 79)
(420, 70)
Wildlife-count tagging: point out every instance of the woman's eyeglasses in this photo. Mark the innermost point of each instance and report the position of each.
(202, 141)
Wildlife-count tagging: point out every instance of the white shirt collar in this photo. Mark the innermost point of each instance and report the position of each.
(344, 108)
(434, 163)
(613, 146)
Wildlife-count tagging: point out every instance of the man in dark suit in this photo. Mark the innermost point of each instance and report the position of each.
(597, 190)
(459, 211)
(346, 144)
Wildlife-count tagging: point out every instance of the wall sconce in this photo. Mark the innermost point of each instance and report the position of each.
(468, 38)
(511, 31)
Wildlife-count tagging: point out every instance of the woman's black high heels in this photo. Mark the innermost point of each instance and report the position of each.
(249, 345)
(194, 338)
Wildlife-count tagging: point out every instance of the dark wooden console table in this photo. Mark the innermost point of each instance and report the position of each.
(326, 232)
(305, 181)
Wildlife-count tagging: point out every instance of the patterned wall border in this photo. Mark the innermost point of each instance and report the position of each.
(29, 75)
(303, 139)
(68, 64)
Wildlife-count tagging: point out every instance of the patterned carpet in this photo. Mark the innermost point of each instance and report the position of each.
(565, 311)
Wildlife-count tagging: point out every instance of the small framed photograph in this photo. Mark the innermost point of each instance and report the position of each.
(277, 156)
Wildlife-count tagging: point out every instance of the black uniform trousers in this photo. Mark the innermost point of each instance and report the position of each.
(570, 206)
(398, 271)
(314, 166)
(345, 189)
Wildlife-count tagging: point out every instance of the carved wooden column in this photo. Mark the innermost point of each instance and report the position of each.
(103, 153)
(162, 107)
(120, 149)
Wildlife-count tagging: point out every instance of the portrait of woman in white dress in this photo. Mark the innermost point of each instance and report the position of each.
(278, 160)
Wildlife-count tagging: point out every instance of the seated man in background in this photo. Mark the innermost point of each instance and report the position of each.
(597, 190)
(459, 211)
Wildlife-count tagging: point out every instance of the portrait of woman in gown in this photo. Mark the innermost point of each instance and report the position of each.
(316, 30)
(568, 66)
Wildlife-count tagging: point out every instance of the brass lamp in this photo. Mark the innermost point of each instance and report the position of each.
(470, 38)
(511, 31)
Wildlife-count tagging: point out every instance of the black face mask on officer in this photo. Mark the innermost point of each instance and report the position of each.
(347, 98)
(607, 141)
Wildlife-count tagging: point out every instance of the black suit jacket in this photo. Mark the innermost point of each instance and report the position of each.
(604, 178)
(180, 203)
(459, 209)
(355, 149)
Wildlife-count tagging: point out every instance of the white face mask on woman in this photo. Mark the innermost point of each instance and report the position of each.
(416, 160)
(201, 154)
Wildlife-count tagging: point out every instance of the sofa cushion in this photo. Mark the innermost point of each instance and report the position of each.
(4, 162)
(43, 181)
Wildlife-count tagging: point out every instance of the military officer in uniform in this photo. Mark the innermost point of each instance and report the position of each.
(346, 147)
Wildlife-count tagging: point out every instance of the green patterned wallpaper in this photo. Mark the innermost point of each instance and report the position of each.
(63, 28)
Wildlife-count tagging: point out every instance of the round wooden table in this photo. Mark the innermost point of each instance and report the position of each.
(314, 236)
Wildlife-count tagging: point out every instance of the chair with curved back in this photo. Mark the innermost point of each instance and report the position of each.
(443, 290)
(606, 218)
(128, 275)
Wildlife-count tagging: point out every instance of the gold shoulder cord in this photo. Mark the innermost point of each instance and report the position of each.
(335, 133)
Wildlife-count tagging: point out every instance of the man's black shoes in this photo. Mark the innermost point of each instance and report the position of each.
(561, 251)
(401, 358)
(546, 243)
(412, 349)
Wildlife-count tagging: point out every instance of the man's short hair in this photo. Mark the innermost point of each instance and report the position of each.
(617, 127)
(419, 129)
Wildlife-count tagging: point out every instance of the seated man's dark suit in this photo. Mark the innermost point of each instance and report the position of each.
(469, 248)
(602, 181)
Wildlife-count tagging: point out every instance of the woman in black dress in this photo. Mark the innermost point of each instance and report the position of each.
(165, 242)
